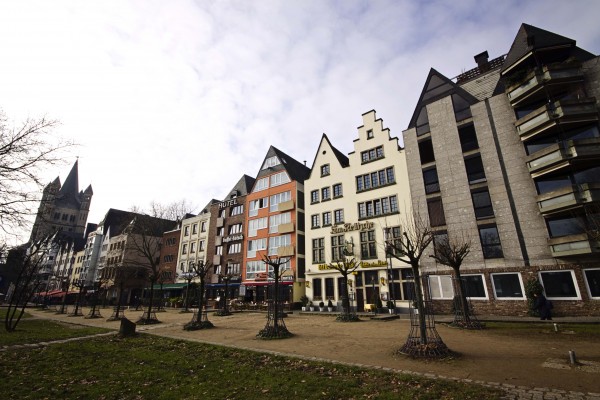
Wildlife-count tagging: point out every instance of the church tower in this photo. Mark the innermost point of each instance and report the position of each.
(63, 208)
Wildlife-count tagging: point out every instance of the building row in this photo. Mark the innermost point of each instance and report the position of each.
(504, 156)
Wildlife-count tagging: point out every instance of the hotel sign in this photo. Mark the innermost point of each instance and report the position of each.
(228, 239)
(356, 226)
(228, 203)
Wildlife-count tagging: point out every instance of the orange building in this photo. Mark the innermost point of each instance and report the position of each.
(275, 228)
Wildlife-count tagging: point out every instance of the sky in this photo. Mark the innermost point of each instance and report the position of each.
(173, 100)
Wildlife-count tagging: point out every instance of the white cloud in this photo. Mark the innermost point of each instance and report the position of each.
(178, 99)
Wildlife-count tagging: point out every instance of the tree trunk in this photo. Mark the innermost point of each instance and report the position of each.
(464, 306)
(420, 304)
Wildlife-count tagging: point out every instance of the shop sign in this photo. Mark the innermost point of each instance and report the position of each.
(356, 226)
(232, 238)
(363, 264)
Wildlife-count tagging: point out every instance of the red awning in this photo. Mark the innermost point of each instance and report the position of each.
(265, 283)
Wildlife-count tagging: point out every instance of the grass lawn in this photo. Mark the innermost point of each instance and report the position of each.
(151, 367)
(31, 330)
(532, 330)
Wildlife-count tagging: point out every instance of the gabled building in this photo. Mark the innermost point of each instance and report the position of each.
(352, 204)
(507, 156)
(275, 227)
(193, 240)
(63, 208)
(225, 248)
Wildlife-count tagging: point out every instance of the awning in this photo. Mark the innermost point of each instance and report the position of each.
(170, 286)
(266, 283)
(236, 284)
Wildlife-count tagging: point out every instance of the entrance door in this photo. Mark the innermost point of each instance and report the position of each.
(360, 300)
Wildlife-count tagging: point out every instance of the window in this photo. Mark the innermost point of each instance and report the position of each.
(201, 245)
(565, 226)
(184, 249)
(186, 231)
(370, 134)
(329, 288)
(383, 206)
(220, 231)
(236, 228)
(325, 194)
(338, 245)
(508, 286)
(314, 221)
(426, 151)
(592, 279)
(203, 226)
(327, 218)
(430, 178)
(371, 154)
(482, 204)
(254, 267)
(57, 215)
(234, 248)
(271, 162)
(468, 138)
(237, 210)
(222, 213)
(194, 229)
(560, 285)
(490, 242)
(255, 245)
(474, 167)
(276, 220)
(219, 250)
(279, 179)
(422, 122)
(233, 268)
(440, 287)
(261, 184)
(375, 179)
(279, 198)
(193, 247)
(338, 216)
(462, 109)
(317, 291)
(337, 190)
(474, 286)
(367, 245)
(255, 224)
(318, 250)
(314, 196)
(275, 242)
(325, 170)
(255, 205)
(436, 212)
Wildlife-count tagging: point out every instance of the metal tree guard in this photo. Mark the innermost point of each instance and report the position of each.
(429, 345)
(468, 321)
(275, 327)
(200, 317)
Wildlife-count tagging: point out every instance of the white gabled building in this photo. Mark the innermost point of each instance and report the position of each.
(351, 204)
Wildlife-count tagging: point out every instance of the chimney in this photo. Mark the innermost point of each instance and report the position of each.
(482, 61)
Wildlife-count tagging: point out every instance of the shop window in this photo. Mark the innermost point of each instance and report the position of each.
(317, 289)
(329, 288)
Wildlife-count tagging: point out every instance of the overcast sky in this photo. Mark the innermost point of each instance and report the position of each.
(177, 99)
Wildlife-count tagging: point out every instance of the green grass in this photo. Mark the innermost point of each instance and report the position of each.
(31, 330)
(532, 330)
(150, 367)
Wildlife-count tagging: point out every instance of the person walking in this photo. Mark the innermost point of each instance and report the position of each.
(544, 307)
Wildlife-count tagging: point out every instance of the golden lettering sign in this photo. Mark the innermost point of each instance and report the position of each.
(356, 226)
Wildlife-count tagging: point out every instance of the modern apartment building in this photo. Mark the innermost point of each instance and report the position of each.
(506, 156)
(226, 240)
(352, 204)
(275, 227)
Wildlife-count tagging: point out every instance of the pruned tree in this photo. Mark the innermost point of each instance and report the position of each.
(27, 261)
(415, 236)
(452, 252)
(199, 320)
(275, 327)
(26, 151)
(346, 267)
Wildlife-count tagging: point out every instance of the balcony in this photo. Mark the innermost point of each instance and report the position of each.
(286, 205)
(218, 240)
(285, 251)
(568, 197)
(551, 78)
(573, 245)
(286, 228)
(220, 222)
(562, 154)
(547, 118)
(216, 259)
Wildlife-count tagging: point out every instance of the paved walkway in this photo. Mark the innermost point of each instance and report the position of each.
(173, 322)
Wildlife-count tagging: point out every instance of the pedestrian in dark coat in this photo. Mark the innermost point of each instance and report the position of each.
(544, 306)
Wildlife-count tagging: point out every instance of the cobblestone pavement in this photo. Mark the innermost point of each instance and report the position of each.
(173, 323)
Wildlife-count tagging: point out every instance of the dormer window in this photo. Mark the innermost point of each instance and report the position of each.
(271, 162)
(325, 170)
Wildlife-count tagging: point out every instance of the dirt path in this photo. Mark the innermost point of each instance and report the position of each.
(483, 355)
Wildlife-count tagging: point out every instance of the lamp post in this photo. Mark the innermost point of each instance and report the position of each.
(387, 233)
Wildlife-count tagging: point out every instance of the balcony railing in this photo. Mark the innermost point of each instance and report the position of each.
(562, 154)
(568, 197)
(286, 228)
(548, 76)
(285, 251)
(573, 245)
(562, 111)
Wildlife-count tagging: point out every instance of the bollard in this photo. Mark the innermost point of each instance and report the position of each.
(572, 357)
(555, 327)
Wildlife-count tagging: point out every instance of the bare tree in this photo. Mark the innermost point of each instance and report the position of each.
(415, 236)
(199, 320)
(345, 267)
(27, 260)
(25, 152)
(452, 253)
(275, 327)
